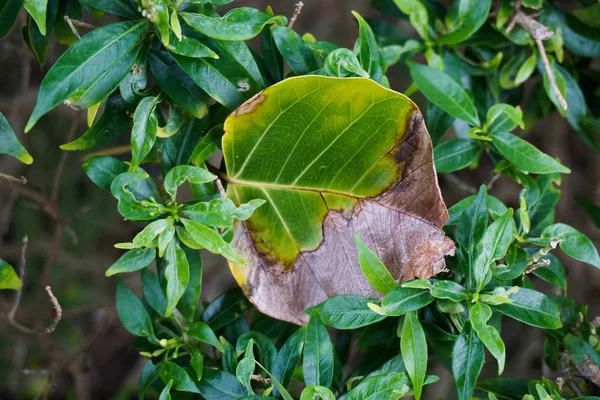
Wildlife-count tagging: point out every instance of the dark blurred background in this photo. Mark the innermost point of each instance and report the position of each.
(72, 231)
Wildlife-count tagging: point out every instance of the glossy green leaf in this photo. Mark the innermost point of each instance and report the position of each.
(9, 10)
(132, 313)
(190, 47)
(289, 356)
(176, 270)
(368, 50)
(525, 156)
(165, 394)
(210, 143)
(479, 315)
(201, 331)
(445, 92)
(472, 14)
(470, 228)
(178, 175)
(177, 85)
(220, 212)
(211, 240)
(9, 144)
(271, 55)
(241, 23)
(318, 360)
(188, 304)
(456, 154)
(37, 10)
(579, 38)
(102, 170)
(122, 8)
(467, 361)
(493, 246)
(133, 260)
(418, 15)
(153, 292)
(503, 118)
(533, 308)
(581, 350)
(295, 52)
(343, 63)
(505, 387)
(225, 309)
(182, 382)
(401, 300)
(574, 243)
(308, 187)
(414, 352)
(8, 277)
(84, 62)
(267, 352)
(373, 269)
(345, 312)
(144, 130)
(220, 385)
(388, 386)
(314, 392)
(449, 290)
(111, 124)
(197, 360)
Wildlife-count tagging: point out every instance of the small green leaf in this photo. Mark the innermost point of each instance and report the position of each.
(176, 269)
(147, 235)
(211, 240)
(449, 290)
(220, 212)
(386, 386)
(401, 300)
(417, 13)
(226, 308)
(132, 313)
(531, 307)
(479, 315)
(294, 50)
(503, 118)
(190, 47)
(197, 360)
(315, 392)
(318, 361)
(158, 13)
(574, 243)
(525, 71)
(220, 385)
(210, 143)
(467, 361)
(177, 175)
(9, 144)
(368, 50)
(289, 356)
(414, 352)
(188, 304)
(37, 10)
(152, 292)
(165, 394)
(445, 92)
(345, 312)
(470, 228)
(83, 63)
(241, 23)
(124, 9)
(9, 10)
(505, 387)
(182, 382)
(525, 156)
(373, 269)
(143, 133)
(202, 332)
(343, 63)
(131, 261)
(456, 154)
(8, 277)
(472, 14)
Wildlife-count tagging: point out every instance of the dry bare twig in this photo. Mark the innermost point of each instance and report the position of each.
(297, 12)
(73, 23)
(538, 33)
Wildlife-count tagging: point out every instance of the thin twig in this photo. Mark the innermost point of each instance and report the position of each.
(73, 23)
(297, 12)
(62, 163)
(538, 33)
(13, 179)
(220, 188)
(11, 314)
(465, 187)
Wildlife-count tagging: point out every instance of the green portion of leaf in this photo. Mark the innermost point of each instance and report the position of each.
(220, 212)
(288, 357)
(8, 277)
(472, 14)
(37, 10)
(9, 9)
(226, 308)
(373, 269)
(144, 130)
(132, 313)
(182, 382)
(467, 361)
(152, 292)
(414, 352)
(579, 38)
(368, 53)
(318, 361)
(220, 385)
(388, 386)
(211, 240)
(178, 175)
(445, 92)
(9, 144)
(525, 156)
(503, 118)
(131, 261)
(505, 387)
(190, 47)
(314, 392)
(470, 228)
(176, 270)
(533, 308)
(449, 290)
(241, 23)
(122, 8)
(84, 63)
(456, 154)
(201, 331)
(296, 53)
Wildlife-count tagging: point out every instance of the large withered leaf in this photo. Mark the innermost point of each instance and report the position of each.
(331, 157)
